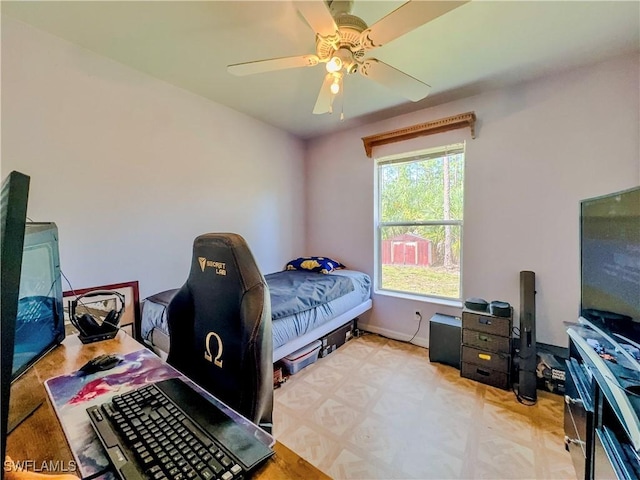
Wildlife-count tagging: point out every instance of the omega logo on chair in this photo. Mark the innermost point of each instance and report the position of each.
(207, 354)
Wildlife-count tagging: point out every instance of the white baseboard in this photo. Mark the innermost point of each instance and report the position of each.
(403, 337)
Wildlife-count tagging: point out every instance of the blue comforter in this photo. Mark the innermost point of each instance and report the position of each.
(292, 293)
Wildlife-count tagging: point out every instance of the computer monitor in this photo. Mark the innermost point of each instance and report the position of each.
(13, 213)
(39, 324)
(40, 319)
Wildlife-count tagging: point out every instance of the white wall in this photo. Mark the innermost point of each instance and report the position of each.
(541, 147)
(132, 169)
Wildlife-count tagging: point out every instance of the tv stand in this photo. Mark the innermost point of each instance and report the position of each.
(602, 410)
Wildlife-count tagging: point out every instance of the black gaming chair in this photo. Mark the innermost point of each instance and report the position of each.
(220, 326)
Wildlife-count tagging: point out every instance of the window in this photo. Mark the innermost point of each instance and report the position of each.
(419, 213)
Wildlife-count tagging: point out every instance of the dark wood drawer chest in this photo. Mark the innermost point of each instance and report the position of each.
(486, 348)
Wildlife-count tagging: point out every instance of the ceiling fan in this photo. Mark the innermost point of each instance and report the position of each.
(342, 41)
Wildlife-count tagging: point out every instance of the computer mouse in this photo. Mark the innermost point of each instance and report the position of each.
(100, 363)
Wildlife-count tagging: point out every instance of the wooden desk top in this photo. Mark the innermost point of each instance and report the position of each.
(40, 438)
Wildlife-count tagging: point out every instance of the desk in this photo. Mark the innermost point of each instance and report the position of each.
(40, 437)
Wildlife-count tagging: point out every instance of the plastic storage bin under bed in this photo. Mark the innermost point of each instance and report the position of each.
(299, 359)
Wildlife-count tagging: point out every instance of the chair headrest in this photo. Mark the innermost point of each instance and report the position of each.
(224, 257)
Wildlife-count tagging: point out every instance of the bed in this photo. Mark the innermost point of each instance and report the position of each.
(305, 306)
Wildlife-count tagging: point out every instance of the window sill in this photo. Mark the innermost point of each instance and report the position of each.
(420, 298)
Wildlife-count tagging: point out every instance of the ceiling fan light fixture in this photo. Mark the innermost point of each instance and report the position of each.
(334, 64)
(335, 85)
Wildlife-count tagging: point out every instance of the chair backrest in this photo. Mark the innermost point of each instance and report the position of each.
(220, 326)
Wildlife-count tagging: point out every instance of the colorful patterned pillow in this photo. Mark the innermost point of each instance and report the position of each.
(314, 264)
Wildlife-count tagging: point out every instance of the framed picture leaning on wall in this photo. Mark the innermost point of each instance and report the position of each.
(99, 306)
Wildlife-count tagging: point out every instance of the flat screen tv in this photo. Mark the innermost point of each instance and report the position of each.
(610, 261)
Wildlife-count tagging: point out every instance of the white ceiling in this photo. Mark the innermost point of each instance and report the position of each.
(478, 46)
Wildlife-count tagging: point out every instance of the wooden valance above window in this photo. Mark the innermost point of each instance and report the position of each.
(429, 128)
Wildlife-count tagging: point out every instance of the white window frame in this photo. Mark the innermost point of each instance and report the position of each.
(408, 157)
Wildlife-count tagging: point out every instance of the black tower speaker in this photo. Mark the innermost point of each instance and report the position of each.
(528, 354)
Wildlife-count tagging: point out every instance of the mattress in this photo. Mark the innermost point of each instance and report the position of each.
(293, 326)
(154, 328)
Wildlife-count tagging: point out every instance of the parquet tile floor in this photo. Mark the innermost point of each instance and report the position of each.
(378, 409)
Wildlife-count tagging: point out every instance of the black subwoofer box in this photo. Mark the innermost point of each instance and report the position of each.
(444, 339)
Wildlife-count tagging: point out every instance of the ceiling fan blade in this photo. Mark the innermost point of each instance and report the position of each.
(318, 16)
(402, 20)
(392, 78)
(325, 97)
(261, 66)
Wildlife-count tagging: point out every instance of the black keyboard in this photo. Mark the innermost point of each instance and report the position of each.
(167, 430)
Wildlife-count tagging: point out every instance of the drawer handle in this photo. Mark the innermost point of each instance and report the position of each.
(483, 372)
(485, 320)
(573, 401)
(484, 356)
(484, 338)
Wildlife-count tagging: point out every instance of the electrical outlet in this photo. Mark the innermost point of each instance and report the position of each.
(417, 316)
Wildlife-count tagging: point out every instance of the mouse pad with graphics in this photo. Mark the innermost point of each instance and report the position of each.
(72, 394)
